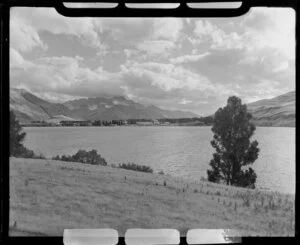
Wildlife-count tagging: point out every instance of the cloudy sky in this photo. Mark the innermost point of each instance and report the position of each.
(188, 64)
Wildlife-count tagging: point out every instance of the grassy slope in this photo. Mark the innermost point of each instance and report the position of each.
(278, 111)
(47, 196)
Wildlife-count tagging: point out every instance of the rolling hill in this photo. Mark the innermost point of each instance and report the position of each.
(279, 111)
(47, 196)
(29, 107)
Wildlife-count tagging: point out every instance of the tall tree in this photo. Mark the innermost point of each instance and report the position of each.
(16, 136)
(232, 128)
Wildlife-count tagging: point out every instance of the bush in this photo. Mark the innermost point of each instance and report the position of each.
(16, 136)
(83, 156)
(136, 167)
(26, 153)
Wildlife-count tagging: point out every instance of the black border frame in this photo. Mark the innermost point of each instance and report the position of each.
(120, 11)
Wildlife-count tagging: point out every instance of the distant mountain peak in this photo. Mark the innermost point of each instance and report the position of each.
(30, 107)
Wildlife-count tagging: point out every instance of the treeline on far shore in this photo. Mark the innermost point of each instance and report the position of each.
(17, 149)
(195, 121)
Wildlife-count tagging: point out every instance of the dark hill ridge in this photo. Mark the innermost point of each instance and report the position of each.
(278, 111)
(29, 107)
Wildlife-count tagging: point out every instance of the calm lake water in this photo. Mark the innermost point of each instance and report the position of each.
(179, 151)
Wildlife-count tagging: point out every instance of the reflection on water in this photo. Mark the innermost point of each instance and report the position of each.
(179, 151)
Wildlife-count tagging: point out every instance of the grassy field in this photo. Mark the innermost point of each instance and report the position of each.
(48, 196)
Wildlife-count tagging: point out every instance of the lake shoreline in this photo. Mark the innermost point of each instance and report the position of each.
(47, 196)
(178, 151)
(171, 125)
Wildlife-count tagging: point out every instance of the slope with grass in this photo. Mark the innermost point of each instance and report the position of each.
(279, 111)
(29, 107)
(47, 196)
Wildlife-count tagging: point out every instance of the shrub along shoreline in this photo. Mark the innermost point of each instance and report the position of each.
(83, 156)
(93, 158)
(86, 157)
(17, 149)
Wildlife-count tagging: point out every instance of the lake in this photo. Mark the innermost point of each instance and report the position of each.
(179, 151)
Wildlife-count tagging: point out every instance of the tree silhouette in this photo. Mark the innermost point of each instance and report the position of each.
(16, 136)
(232, 128)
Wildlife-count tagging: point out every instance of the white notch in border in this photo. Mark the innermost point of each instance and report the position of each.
(215, 5)
(90, 237)
(153, 5)
(208, 236)
(90, 5)
(152, 236)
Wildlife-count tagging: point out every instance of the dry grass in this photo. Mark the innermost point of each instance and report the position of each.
(47, 196)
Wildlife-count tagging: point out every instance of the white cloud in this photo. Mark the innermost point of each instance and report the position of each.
(204, 28)
(156, 47)
(26, 23)
(226, 41)
(167, 28)
(184, 101)
(160, 61)
(130, 52)
(152, 36)
(281, 67)
(67, 75)
(16, 60)
(164, 78)
(263, 33)
(55, 97)
(207, 32)
(188, 58)
(24, 37)
(271, 27)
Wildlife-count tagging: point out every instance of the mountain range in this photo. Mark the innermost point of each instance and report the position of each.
(278, 111)
(29, 107)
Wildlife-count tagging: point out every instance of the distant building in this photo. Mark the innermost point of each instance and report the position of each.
(54, 121)
(39, 124)
(75, 123)
(155, 122)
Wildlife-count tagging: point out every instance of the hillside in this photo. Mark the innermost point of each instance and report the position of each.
(278, 111)
(24, 109)
(120, 108)
(29, 107)
(47, 196)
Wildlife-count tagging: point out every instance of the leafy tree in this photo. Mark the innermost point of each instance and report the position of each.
(83, 156)
(136, 167)
(232, 128)
(16, 136)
